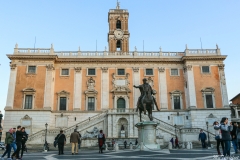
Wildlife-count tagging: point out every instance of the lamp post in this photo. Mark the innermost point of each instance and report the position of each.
(209, 145)
(45, 144)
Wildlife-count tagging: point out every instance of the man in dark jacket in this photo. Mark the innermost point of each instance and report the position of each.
(234, 137)
(18, 142)
(61, 139)
(202, 137)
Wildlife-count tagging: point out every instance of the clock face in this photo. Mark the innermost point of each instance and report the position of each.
(118, 33)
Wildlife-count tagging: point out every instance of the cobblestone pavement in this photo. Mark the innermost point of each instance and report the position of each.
(181, 154)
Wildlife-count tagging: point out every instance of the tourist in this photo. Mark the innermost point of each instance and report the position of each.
(18, 142)
(79, 140)
(176, 143)
(101, 141)
(8, 141)
(172, 141)
(218, 137)
(234, 138)
(226, 137)
(202, 137)
(74, 138)
(125, 144)
(61, 140)
(136, 142)
(238, 136)
(13, 144)
(24, 140)
(113, 142)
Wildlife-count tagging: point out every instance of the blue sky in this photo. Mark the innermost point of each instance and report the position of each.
(170, 24)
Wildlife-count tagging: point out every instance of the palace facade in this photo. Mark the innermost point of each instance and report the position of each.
(87, 89)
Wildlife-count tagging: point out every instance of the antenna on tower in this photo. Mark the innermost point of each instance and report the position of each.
(143, 45)
(96, 45)
(201, 42)
(34, 43)
(118, 5)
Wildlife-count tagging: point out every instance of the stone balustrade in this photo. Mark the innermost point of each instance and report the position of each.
(122, 110)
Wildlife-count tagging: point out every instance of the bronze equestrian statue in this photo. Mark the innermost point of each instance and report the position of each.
(146, 101)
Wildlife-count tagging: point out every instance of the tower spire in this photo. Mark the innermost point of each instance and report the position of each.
(118, 5)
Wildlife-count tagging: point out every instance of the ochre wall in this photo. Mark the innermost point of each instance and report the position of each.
(35, 81)
(207, 80)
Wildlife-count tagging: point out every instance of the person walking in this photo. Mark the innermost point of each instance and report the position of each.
(226, 137)
(74, 138)
(101, 141)
(136, 142)
(176, 143)
(238, 136)
(218, 137)
(79, 140)
(125, 144)
(13, 144)
(234, 138)
(202, 137)
(8, 141)
(19, 135)
(113, 142)
(61, 139)
(24, 140)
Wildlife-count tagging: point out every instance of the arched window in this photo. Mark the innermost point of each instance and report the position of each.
(118, 24)
(119, 47)
(121, 103)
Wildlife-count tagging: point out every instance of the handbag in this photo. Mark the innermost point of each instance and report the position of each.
(217, 137)
(103, 146)
(56, 141)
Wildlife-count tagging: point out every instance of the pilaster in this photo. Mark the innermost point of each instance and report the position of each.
(191, 93)
(49, 87)
(77, 96)
(110, 126)
(11, 86)
(223, 85)
(136, 81)
(105, 89)
(131, 125)
(163, 88)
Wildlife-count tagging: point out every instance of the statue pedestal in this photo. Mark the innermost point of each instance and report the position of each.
(147, 135)
(122, 134)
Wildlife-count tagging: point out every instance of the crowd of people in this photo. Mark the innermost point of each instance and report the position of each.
(15, 139)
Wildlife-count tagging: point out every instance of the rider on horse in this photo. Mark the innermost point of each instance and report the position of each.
(144, 88)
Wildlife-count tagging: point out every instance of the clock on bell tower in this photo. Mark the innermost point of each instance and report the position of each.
(118, 35)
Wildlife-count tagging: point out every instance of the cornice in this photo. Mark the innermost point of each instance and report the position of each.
(197, 58)
(37, 57)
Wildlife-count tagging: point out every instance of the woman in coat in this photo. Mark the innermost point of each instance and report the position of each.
(226, 136)
(8, 140)
(218, 133)
(24, 140)
(101, 141)
(61, 140)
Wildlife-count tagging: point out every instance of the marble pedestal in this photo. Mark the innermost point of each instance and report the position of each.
(147, 135)
(122, 134)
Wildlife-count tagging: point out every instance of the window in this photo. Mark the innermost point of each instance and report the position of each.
(119, 48)
(118, 24)
(28, 102)
(63, 103)
(91, 103)
(121, 71)
(176, 101)
(65, 72)
(205, 69)
(31, 69)
(149, 71)
(174, 72)
(209, 101)
(121, 105)
(91, 71)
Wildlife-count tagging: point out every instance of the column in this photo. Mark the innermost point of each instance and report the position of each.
(49, 87)
(131, 125)
(136, 82)
(110, 126)
(223, 85)
(11, 87)
(191, 96)
(163, 89)
(105, 89)
(77, 95)
(114, 126)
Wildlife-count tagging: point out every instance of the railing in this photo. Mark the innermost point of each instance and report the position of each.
(33, 50)
(122, 110)
(202, 51)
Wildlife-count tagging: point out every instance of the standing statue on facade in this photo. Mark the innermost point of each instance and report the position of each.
(146, 101)
(1, 116)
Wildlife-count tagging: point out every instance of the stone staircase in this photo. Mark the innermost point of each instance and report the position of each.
(39, 137)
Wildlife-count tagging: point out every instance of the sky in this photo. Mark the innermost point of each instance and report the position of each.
(170, 24)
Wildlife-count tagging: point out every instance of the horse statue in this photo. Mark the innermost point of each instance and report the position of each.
(146, 101)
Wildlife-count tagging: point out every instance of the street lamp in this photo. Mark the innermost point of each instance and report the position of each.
(209, 145)
(45, 144)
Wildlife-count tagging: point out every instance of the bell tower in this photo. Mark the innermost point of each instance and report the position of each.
(118, 35)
